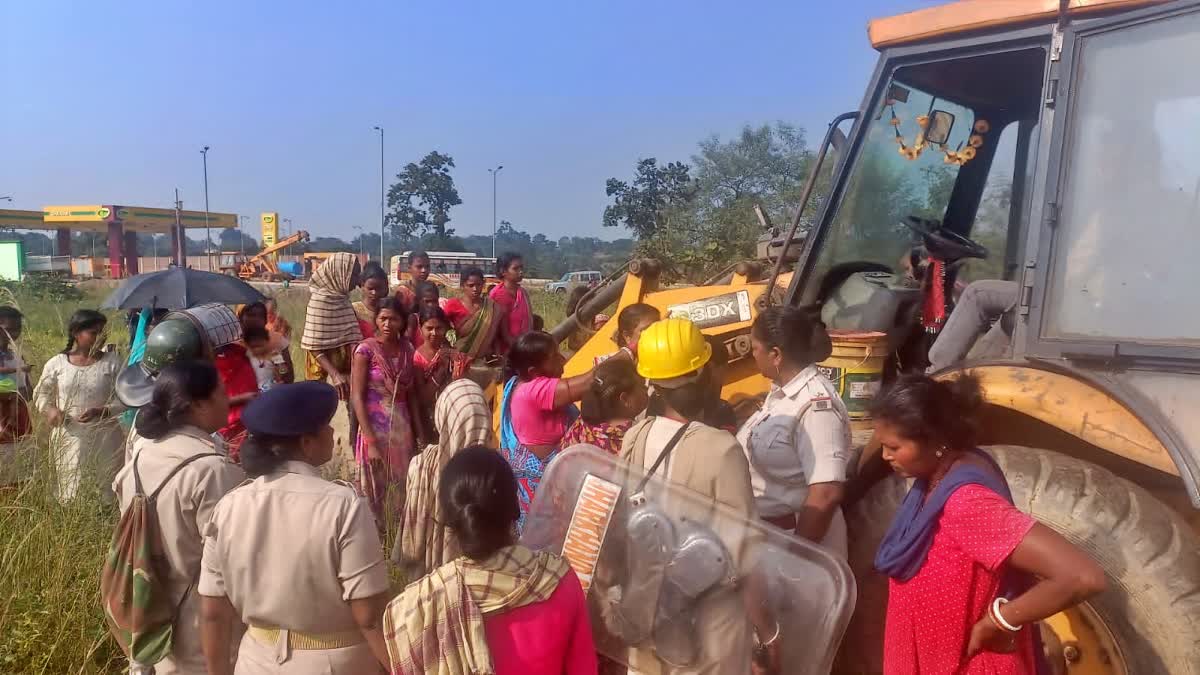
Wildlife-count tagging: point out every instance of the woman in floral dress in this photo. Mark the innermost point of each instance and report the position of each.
(383, 384)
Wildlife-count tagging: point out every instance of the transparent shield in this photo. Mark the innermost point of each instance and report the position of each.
(678, 584)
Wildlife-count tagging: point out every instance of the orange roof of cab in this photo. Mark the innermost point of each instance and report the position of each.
(972, 15)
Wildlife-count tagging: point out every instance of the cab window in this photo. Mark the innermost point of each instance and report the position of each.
(888, 185)
(1124, 249)
(965, 183)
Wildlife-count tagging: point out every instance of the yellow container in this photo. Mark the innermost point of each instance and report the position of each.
(856, 368)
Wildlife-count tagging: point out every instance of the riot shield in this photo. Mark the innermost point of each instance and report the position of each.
(675, 582)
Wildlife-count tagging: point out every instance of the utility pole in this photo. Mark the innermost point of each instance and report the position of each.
(494, 172)
(382, 202)
(207, 232)
(180, 252)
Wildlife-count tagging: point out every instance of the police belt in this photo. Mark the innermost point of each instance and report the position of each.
(306, 641)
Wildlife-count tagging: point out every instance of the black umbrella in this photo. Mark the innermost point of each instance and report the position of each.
(180, 288)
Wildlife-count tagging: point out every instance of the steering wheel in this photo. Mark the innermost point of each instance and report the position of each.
(943, 243)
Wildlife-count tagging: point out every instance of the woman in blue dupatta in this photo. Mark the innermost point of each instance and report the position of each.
(969, 574)
(535, 410)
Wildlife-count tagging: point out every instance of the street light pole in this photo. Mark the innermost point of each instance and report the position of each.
(382, 201)
(207, 232)
(288, 250)
(494, 172)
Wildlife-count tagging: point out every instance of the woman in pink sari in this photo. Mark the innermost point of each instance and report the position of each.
(383, 384)
(513, 300)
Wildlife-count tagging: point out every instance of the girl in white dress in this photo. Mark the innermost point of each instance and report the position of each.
(75, 397)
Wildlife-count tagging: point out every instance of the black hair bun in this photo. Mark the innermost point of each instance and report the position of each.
(151, 421)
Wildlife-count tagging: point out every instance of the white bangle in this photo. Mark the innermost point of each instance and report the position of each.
(770, 642)
(999, 618)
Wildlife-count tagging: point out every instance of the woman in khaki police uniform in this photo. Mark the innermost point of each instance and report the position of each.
(674, 356)
(295, 556)
(175, 457)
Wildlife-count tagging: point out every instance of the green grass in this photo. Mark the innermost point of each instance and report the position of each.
(51, 553)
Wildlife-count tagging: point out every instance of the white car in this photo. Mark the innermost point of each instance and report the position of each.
(572, 279)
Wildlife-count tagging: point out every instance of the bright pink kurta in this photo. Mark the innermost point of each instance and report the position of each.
(547, 638)
(929, 617)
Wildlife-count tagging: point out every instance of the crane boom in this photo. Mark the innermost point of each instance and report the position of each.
(262, 266)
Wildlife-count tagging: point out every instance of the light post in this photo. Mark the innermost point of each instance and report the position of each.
(494, 172)
(382, 199)
(207, 233)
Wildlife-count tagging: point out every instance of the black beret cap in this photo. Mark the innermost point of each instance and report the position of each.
(291, 409)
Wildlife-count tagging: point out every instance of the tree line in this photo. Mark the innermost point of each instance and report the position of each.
(696, 216)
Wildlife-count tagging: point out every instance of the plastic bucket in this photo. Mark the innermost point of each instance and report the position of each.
(856, 368)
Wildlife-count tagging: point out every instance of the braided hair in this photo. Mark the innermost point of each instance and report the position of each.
(81, 320)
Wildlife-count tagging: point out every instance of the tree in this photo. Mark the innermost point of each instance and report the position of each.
(763, 166)
(236, 240)
(646, 206)
(331, 244)
(421, 198)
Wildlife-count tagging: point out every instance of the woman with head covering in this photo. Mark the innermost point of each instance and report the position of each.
(463, 419)
(295, 557)
(330, 324)
(500, 608)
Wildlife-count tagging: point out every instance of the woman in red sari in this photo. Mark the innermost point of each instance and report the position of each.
(969, 574)
(476, 318)
(513, 300)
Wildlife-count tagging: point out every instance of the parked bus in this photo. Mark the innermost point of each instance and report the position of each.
(446, 267)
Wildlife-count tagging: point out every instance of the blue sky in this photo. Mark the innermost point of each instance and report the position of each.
(110, 102)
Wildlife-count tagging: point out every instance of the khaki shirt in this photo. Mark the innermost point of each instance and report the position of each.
(709, 462)
(290, 549)
(183, 509)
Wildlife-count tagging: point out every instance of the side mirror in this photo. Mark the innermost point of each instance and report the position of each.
(937, 131)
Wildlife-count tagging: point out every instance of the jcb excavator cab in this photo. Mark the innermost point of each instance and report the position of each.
(1056, 151)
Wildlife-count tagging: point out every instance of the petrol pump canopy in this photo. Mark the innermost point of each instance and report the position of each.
(97, 217)
(976, 15)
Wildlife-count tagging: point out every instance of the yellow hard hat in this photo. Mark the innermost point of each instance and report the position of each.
(671, 348)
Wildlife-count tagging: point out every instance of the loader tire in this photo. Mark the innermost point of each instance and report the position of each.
(1150, 555)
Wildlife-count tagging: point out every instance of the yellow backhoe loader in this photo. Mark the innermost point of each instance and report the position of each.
(1051, 145)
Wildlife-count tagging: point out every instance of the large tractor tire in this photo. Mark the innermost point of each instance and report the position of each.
(1150, 616)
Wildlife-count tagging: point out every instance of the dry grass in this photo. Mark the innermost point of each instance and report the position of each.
(51, 553)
